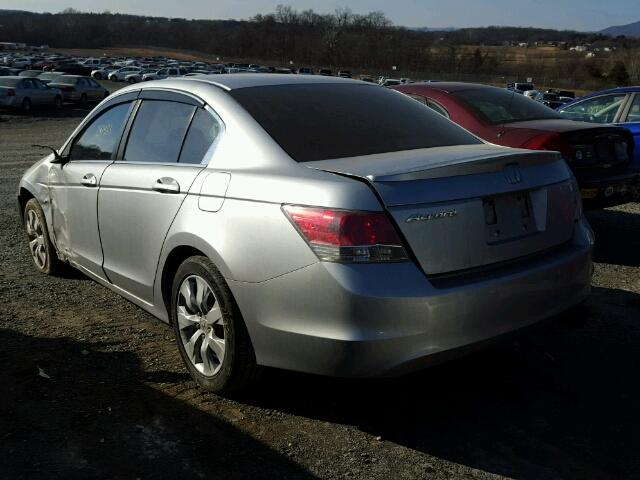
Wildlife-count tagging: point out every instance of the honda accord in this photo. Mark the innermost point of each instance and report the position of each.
(369, 237)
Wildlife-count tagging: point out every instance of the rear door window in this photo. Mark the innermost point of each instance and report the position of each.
(202, 133)
(158, 131)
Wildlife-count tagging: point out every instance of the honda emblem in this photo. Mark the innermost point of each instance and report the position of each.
(512, 173)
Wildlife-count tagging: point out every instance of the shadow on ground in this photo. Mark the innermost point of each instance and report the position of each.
(99, 415)
(617, 237)
(559, 402)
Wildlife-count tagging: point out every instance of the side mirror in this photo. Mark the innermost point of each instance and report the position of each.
(58, 159)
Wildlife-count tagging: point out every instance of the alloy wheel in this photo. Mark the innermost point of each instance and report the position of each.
(201, 325)
(36, 239)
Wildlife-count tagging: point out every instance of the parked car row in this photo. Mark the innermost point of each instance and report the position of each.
(601, 157)
(23, 92)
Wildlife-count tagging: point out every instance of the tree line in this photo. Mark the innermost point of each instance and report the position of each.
(365, 42)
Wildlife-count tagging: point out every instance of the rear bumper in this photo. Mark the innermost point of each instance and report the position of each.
(9, 102)
(383, 320)
(71, 96)
(601, 189)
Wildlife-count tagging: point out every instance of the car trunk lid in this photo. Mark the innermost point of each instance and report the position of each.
(466, 207)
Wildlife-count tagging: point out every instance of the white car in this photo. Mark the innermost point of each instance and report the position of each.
(136, 77)
(103, 72)
(164, 73)
(119, 74)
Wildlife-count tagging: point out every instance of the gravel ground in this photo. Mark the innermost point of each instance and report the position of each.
(112, 399)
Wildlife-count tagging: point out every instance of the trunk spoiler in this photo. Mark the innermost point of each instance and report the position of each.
(434, 163)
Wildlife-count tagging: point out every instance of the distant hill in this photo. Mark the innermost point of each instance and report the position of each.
(435, 29)
(629, 30)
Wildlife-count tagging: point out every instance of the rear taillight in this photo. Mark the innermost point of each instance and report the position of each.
(347, 236)
(550, 141)
(11, 93)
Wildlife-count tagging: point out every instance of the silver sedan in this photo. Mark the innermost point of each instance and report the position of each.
(79, 89)
(24, 93)
(368, 237)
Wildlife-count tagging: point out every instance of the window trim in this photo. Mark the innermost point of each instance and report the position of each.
(624, 115)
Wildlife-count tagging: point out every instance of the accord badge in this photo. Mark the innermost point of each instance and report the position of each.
(421, 217)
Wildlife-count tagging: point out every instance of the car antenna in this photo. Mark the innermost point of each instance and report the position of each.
(502, 127)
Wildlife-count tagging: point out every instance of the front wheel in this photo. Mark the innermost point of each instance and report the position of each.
(42, 251)
(211, 335)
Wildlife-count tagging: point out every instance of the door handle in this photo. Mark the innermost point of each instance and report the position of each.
(89, 180)
(166, 185)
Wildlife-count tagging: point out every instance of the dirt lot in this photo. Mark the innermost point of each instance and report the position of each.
(115, 402)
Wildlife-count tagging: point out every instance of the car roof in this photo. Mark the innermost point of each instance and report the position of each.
(612, 90)
(234, 81)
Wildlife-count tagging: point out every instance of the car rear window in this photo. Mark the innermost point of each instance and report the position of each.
(495, 105)
(66, 79)
(9, 82)
(327, 121)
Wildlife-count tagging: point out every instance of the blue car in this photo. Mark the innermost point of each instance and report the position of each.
(619, 106)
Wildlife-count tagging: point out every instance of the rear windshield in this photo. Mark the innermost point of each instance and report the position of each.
(495, 105)
(9, 82)
(66, 79)
(326, 121)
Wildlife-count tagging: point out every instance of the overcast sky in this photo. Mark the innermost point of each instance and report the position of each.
(586, 15)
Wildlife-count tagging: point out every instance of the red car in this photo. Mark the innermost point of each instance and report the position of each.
(599, 156)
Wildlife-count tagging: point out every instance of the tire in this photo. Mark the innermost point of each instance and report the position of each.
(131, 80)
(26, 106)
(43, 253)
(57, 103)
(83, 100)
(97, 76)
(222, 320)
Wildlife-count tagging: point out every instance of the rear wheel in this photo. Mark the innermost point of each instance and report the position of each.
(212, 338)
(42, 251)
(26, 106)
(131, 80)
(97, 76)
